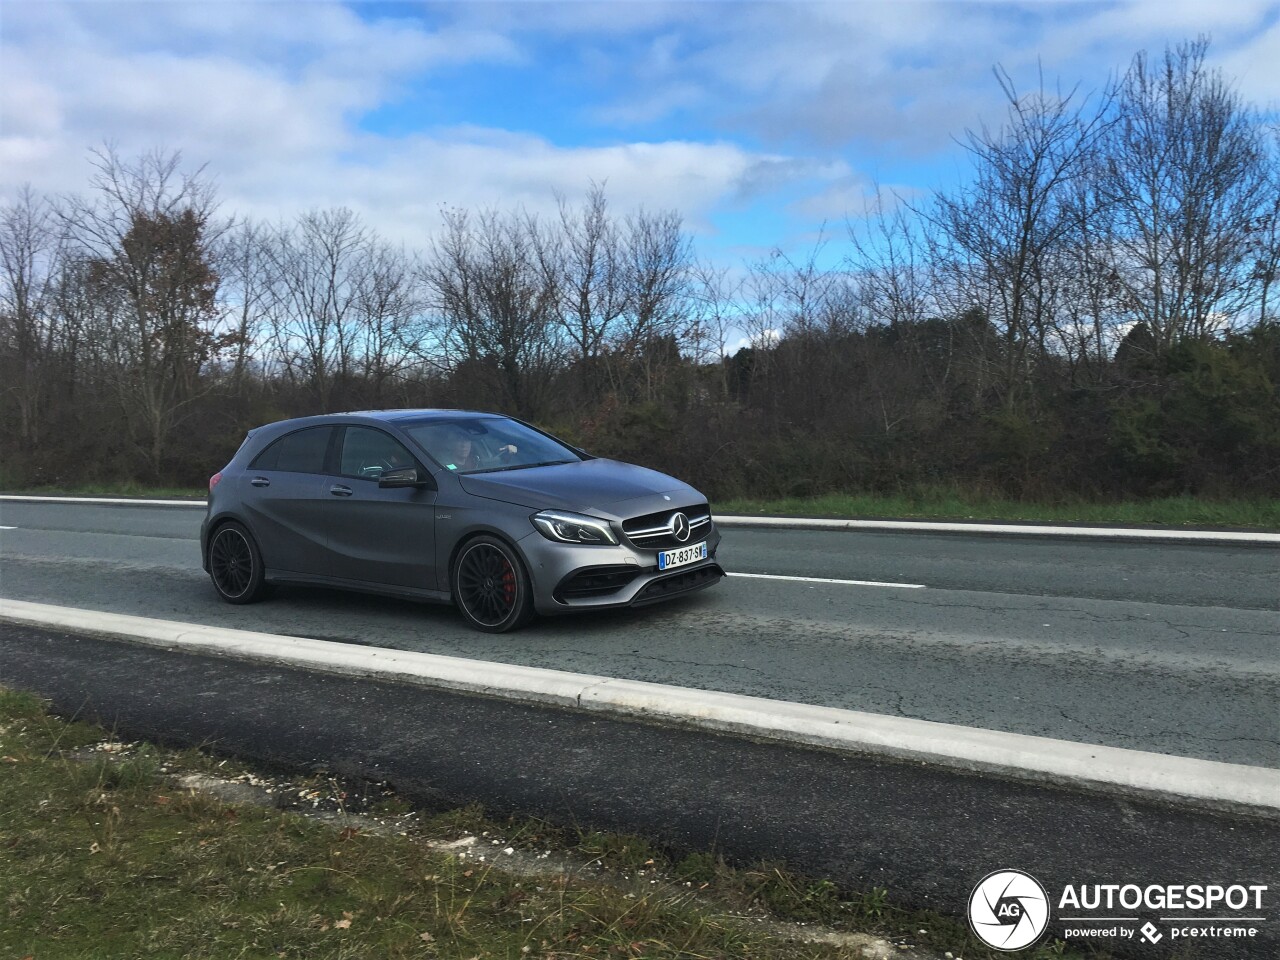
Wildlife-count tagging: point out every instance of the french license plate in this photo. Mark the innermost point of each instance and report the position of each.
(678, 558)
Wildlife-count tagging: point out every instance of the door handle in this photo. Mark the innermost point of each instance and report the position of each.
(260, 482)
(338, 490)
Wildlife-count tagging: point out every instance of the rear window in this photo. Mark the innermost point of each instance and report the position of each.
(300, 452)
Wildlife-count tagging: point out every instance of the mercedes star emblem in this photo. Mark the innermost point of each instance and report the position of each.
(680, 527)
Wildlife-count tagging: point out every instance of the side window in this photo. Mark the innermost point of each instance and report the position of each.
(300, 452)
(367, 453)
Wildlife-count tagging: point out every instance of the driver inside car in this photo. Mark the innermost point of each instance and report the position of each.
(463, 453)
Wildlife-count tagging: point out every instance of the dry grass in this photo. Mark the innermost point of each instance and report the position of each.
(102, 855)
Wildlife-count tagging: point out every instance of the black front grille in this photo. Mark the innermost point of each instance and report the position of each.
(679, 583)
(595, 582)
(653, 531)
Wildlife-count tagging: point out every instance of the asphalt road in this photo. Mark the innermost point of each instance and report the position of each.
(1172, 648)
(924, 833)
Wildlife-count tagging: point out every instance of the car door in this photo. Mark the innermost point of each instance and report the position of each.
(283, 495)
(379, 535)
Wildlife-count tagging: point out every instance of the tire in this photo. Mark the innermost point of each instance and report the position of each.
(490, 586)
(235, 564)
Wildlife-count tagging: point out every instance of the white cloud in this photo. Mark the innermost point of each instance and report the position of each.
(651, 106)
(1255, 66)
(847, 197)
(778, 104)
(401, 185)
(762, 340)
(899, 75)
(270, 96)
(234, 84)
(903, 79)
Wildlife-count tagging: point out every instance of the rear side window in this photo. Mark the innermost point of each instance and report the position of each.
(300, 452)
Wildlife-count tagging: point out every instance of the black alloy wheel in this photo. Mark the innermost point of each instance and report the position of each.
(235, 565)
(491, 587)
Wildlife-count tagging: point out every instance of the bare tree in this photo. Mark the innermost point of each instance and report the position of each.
(30, 263)
(317, 269)
(715, 313)
(657, 258)
(1092, 319)
(801, 316)
(393, 334)
(898, 283)
(1185, 179)
(498, 307)
(585, 260)
(1001, 233)
(146, 235)
(244, 261)
(889, 259)
(803, 293)
(1264, 241)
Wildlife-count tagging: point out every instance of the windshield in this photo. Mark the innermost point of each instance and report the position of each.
(486, 444)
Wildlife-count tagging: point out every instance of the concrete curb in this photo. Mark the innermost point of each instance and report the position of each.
(820, 523)
(1110, 769)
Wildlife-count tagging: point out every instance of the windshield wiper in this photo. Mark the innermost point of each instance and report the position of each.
(522, 466)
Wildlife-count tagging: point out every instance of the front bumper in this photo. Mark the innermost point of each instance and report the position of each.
(567, 578)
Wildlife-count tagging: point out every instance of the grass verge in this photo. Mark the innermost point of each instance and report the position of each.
(105, 852)
(949, 504)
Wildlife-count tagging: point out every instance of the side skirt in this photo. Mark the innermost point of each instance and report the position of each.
(360, 586)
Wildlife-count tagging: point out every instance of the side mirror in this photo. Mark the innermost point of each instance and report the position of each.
(404, 477)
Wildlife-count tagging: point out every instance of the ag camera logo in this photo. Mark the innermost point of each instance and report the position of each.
(1008, 910)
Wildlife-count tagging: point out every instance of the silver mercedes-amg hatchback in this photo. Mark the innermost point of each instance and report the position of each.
(477, 509)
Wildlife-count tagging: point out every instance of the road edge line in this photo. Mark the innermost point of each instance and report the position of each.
(1003, 529)
(1181, 780)
(24, 498)
(831, 523)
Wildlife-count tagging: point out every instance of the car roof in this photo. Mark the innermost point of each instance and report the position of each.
(425, 413)
(390, 416)
(269, 431)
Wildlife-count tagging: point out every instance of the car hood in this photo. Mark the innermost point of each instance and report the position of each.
(603, 488)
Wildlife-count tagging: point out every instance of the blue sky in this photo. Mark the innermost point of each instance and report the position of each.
(757, 121)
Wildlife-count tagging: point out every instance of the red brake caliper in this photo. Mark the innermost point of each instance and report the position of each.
(508, 584)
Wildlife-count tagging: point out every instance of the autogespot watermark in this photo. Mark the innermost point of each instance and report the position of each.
(1010, 910)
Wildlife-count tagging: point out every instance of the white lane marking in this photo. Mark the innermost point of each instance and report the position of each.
(137, 503)
(1033, 758)
(1013, 529)
(852, 583)
(8, 528)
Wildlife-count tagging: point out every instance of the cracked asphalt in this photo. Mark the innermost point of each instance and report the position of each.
(924, 833)
(1170, 647)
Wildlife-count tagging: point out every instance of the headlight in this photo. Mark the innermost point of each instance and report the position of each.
(572, 528)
